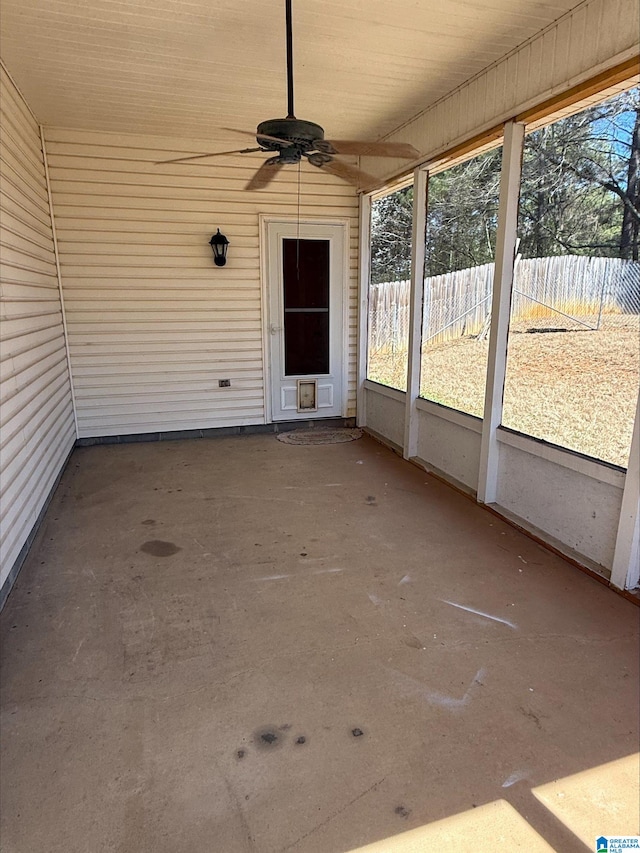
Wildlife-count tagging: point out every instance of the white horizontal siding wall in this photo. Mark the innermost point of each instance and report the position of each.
(36, 414)
(593, 37)
(153, 324)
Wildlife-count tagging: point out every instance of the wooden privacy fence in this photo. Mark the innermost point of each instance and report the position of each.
(567, 292)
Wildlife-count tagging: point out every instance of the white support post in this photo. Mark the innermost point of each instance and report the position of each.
(500, 309)
(363, 306)
(420, 182)
(625, 572)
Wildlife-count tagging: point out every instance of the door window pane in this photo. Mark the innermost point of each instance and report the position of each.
(306, 306)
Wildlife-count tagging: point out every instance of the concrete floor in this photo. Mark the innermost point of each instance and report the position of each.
(239, 645)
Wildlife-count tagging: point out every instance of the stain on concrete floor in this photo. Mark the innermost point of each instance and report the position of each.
(158, 548)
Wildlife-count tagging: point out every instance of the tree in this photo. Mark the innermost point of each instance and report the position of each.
(580, 183)
(630, 237)
(391, 218)
(580, 194)
(462, 214)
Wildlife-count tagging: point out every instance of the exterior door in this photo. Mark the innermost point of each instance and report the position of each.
(305, 283)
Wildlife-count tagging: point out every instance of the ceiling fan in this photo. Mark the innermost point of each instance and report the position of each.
(291, 139)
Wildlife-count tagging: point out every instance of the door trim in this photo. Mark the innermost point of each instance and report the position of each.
(265, 220)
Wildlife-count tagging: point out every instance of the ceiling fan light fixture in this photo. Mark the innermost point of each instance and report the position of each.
(319, 158)
(293, 133)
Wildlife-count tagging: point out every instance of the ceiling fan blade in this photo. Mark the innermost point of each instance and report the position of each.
(265, 174)
(374, 149)
(255, 135)
(201, 156)
(348, 173)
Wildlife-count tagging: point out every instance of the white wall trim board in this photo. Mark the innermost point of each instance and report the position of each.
(454, 416)
(363, 305)
(625, 572)
(500, 309)
(263, 249)
(600, 471)
(59, 276)
(419, 224)
(385, 391)
(346, 260)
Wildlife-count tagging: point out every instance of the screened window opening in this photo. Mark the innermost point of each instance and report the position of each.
(462, 222)
(574, 340)
(389, 289)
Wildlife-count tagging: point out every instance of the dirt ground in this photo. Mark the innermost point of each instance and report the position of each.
(575, 388)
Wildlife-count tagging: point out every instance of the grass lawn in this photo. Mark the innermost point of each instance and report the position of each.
(577, 389)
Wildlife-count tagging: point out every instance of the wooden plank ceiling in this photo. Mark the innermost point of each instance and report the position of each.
(186, 68)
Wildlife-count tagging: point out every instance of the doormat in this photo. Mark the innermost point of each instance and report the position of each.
(319, 436)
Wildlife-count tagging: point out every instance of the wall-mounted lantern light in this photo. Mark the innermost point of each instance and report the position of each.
(219, 245)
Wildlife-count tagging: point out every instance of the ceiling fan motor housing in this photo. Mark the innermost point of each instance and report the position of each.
(305, 135)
